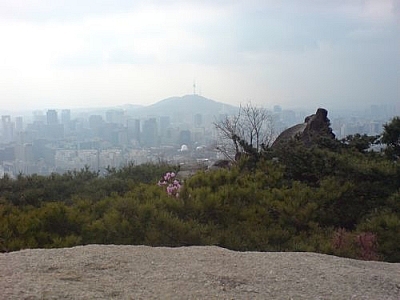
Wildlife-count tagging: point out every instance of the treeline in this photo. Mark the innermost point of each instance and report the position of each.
(334, 197)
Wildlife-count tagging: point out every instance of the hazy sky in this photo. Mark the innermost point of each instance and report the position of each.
(81, 53)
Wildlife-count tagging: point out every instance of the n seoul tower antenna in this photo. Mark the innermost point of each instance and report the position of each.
(194, 87)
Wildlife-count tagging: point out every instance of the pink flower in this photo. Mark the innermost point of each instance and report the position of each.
(172, 184)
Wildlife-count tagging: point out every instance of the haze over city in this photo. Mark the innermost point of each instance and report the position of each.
(58, 54)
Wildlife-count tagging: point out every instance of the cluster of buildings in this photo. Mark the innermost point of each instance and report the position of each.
(57, 141)
(369, 122)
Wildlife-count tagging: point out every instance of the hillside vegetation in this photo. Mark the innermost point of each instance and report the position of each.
(334, 198)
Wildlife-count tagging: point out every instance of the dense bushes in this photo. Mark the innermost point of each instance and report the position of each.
(336, 201)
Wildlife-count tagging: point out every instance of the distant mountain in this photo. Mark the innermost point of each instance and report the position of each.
(188, 105)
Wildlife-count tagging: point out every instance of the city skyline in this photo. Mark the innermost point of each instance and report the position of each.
(314, 54)
(61, 140)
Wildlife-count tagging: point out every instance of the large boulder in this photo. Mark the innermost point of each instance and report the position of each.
(315, 126)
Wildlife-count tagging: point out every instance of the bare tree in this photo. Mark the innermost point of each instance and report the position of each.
(252, 125)
(258, 126)
(227, 141)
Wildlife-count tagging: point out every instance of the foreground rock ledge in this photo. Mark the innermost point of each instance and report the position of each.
(140, 272)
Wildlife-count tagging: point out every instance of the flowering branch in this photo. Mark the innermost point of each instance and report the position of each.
(171, 184)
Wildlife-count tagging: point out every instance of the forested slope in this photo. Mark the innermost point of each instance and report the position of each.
(334, 198)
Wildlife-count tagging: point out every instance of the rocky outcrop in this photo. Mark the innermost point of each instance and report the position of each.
(140, 272)
(315, 126)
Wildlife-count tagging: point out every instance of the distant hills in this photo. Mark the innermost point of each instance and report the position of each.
(186, 105)
(175, 107)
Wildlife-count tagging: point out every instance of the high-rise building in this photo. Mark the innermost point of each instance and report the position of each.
(54, 130)
(198, 120)
(19, 124)
(185, 137)
(149, 133)
(7, 129)
(65, 116)
(165, 122)
(52, 117)
(133, 126)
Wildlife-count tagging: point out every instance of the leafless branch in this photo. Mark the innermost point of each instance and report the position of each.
(252, 124)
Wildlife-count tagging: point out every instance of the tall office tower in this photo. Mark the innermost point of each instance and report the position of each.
(19, 124)
(149, 133)
(52, 117)
(54, 130)
(66, 120)
(7, 129)
(185, 137)
(133, 126)
(165, 122)
(65, 116)
(198, 120)
(164, 126)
